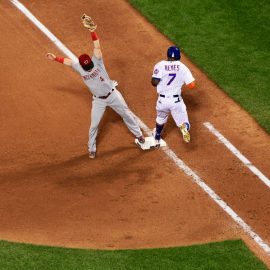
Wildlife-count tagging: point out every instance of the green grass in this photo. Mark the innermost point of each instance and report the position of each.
(228, 39)
(228, 255)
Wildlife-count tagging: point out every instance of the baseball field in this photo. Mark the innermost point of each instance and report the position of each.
(202, 205)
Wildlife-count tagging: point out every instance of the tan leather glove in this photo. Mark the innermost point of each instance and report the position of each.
(88, 23)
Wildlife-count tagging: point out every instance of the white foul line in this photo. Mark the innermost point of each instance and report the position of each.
(166, 150)
(211, 193)
(45, 30)
(237, 153)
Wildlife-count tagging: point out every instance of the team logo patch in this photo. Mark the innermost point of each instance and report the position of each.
(156, 71)
(86, 62)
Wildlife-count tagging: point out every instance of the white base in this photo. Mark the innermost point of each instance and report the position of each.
(150, 143)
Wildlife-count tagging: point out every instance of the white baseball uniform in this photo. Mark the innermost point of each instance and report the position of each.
(104, 95)
(173, 75)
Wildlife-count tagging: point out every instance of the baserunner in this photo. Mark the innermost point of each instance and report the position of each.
(169, 76)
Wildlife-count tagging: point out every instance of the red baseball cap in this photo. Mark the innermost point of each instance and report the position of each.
(85, 61)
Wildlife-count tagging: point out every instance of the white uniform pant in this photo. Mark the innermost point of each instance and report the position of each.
(116, 101)
(174, 106)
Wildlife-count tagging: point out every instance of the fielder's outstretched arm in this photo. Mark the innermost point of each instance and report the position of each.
(91, 26)
(97, 50)
(63, 60)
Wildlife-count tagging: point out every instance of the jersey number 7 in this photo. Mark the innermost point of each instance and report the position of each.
(172, 75)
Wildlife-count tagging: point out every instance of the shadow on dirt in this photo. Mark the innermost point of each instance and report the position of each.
(79, 170)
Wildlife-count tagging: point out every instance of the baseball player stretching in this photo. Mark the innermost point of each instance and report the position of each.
(95, 76)
(169, 76)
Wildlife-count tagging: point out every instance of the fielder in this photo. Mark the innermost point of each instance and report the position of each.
(169, 76)
(95, 76)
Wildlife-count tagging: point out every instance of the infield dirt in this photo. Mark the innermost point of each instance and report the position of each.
(51, 193)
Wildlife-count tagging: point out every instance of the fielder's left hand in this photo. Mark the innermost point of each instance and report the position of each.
(88, 23)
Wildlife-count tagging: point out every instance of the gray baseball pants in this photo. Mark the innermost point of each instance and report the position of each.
(116, 101)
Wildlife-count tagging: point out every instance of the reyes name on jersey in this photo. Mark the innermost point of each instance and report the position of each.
(172, 75)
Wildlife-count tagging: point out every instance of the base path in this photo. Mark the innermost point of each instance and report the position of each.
(51, 193)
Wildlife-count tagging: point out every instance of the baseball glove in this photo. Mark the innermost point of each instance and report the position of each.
(88, 23)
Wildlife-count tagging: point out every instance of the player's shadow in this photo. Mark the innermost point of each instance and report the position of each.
(117, 170)
(117, 151)
(39, 169)
(80, 171)
(70, 169)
